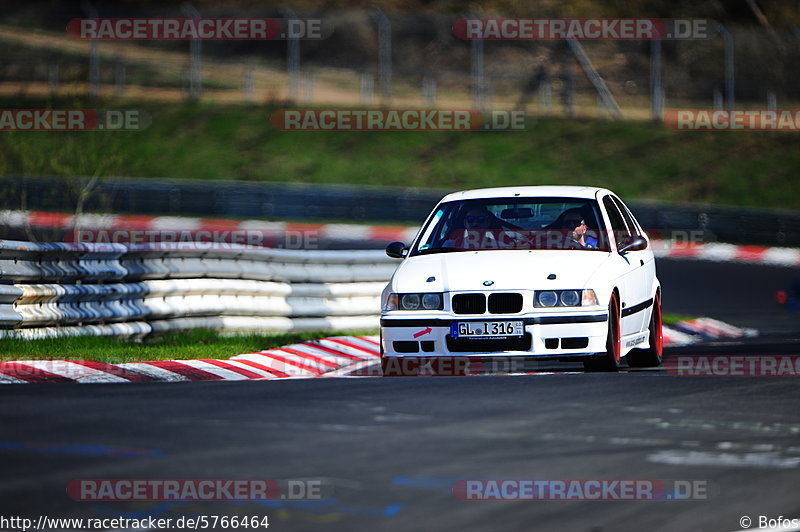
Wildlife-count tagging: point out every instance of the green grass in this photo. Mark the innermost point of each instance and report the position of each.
(199, 343)
(206, 141)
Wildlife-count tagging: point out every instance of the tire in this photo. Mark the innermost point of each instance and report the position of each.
(652, 356)
(609, 361)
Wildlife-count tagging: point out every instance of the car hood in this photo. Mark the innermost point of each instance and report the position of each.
(505, 269)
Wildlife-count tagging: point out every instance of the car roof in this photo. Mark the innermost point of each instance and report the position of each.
(555, 191)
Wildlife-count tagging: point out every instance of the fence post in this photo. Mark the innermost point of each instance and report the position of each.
(292, 58)
(384, 54)
(94, 53)
(308, 88)
(52, 78)
(195, 56)
(247, 85)
(545, 95)
(366, 88)
(730, 80)
(567, 79)
(478, 83)
(119, 79)
(429, 91)
(718, 104)
(656, 91)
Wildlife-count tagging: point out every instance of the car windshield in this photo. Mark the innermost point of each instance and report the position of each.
(513, 223)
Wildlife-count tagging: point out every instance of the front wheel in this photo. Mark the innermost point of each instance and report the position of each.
(609, 361)
(650, 357)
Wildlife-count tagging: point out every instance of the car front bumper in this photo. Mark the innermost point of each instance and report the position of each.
(547, 336)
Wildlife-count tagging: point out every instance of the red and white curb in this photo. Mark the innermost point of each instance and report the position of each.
(674, 338)
(311, 359)
(134, 227)
(131, 228)
(711, 329)
(720, 252)
(702, 329)
(339, 356)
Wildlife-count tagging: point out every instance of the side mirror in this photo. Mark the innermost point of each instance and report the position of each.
(632, 243)
(397, 250)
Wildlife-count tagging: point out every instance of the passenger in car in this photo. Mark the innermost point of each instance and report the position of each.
(577, 228)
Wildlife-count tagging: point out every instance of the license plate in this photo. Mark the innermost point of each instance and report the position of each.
(486, 329)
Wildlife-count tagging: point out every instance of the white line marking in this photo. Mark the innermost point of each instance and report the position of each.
(682, 457)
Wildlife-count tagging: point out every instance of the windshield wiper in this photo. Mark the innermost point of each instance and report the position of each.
(430, 251)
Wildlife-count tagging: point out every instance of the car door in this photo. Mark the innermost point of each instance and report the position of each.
(642, 273)
(628, 280)
(646, 273)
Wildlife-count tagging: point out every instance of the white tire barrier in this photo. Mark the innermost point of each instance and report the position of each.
(57, 289)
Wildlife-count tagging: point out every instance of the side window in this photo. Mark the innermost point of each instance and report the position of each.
(634, 223)
(618, 227)
(433, 231)
(632, 228)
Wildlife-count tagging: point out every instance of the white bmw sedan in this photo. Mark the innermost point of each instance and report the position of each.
(543, 272)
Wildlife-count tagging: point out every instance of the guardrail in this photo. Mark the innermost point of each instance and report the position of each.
(293, 201)
(56, 289)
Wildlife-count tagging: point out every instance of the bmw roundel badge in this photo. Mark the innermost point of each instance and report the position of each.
(488, 283)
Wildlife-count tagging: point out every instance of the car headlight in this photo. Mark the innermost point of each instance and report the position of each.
(432, 301)
(414, 302)
(548, 298)
(569, 298)
(564, 298)
(409, 302)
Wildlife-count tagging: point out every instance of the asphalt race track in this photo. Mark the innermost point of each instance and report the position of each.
(388, 452)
